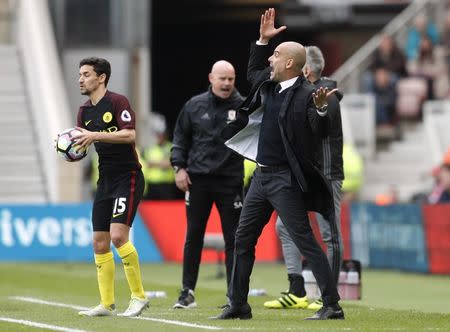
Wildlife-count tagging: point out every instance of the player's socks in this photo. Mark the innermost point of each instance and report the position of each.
(105, 276)
(130, 260)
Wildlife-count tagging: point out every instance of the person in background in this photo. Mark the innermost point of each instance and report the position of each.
(249, 169)
(107, 120)
(158, 172)
(280, 126)
(389, 197)
(388, 55)
(441, 192)
(207, 171)
(382, 87)
(353, 173)
(430, 64)
(421, 28)
(387, 66)
(332, 166)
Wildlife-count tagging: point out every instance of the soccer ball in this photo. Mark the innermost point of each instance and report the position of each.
(65, 145)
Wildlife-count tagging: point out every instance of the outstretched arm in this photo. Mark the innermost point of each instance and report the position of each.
(257, 70)
(267, 28)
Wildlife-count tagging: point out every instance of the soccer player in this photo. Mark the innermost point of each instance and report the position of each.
(108, 121)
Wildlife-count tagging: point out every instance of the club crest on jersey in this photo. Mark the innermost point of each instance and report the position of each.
(231, 116)
(125, 116)
(107, 117)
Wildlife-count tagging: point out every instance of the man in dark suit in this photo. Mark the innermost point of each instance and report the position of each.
(280, 126)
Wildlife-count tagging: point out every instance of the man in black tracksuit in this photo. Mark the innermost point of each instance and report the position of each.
(207, 171)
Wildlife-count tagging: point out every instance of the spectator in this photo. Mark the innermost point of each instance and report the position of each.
(387, 66)
(387, 198)
(388, 55)
(441, 192)
(383, 89)
(422, 27)
(435, 195)
(430, 64)
(445, 40)
(441, 189)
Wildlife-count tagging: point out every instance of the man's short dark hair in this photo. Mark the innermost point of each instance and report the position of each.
(100, 65)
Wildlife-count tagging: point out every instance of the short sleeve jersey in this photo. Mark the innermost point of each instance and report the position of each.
(112, 113)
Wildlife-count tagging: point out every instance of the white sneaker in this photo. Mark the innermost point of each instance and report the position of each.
(136, 307)
(98, 311)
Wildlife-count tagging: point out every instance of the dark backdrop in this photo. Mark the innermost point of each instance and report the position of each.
(187, 38)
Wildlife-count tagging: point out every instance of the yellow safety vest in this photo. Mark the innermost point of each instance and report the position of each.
(249, 168)
(158, 153)
(353, 169)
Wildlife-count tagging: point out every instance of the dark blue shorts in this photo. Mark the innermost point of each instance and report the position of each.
(117, 198)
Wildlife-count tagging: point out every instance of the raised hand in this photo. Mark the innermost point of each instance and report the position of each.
(320, 96)
(267, 28)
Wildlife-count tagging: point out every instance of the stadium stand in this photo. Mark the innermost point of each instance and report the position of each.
(400, 163)
(34, 109)
(21, 177)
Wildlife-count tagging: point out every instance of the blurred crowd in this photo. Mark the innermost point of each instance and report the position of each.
(402, 79)
(402, 75)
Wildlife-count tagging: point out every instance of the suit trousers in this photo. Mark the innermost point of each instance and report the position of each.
(330, 229)
(280, 191)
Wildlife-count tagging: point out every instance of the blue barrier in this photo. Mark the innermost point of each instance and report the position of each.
(58, 233)
(389, 236)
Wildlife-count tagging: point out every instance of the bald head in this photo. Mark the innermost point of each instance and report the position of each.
(297, 53)
(221, 66)
(287, 61)
(222, 77)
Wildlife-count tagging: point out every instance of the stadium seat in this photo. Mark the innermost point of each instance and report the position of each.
(411, 93)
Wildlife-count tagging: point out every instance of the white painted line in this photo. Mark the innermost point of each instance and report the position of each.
(76, 307)
(176, 322)
(54, 304)
(40, 325)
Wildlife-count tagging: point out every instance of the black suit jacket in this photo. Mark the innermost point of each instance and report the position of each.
(302, 129)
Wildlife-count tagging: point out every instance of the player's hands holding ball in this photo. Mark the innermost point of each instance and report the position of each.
(85, 138)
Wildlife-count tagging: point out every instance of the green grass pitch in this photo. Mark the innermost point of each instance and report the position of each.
(392, 301)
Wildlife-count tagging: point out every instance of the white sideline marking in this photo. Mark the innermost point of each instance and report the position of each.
(176, 322)
(54, 304)
(76, 307)
(40, 325)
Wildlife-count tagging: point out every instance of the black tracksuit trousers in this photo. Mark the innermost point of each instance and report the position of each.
(227, 194)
